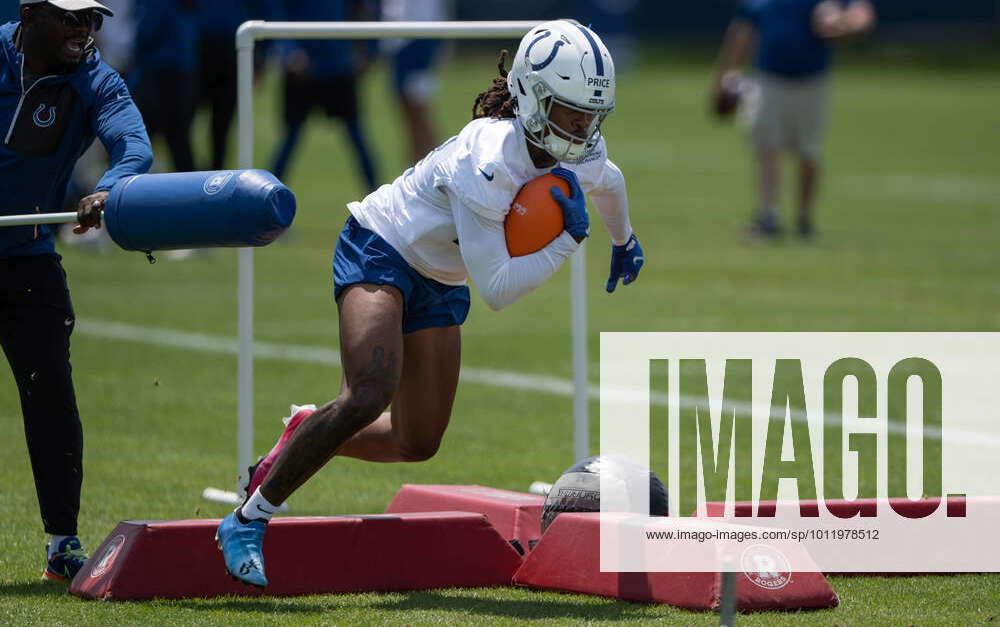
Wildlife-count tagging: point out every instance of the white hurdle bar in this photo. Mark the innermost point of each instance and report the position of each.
(246, 37)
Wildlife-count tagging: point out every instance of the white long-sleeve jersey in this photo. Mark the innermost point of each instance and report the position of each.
(445, 214)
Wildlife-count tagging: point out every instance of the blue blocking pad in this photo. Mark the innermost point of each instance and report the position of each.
(226, 208)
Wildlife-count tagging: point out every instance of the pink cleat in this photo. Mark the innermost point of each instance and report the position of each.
(258, 471)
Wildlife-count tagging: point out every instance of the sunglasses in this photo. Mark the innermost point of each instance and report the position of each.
(90, 18)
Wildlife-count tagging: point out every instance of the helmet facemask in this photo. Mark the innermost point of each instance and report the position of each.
(563, 145)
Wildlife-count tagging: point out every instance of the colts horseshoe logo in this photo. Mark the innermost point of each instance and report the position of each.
(214, 184)
(46, 121)
(550, 58)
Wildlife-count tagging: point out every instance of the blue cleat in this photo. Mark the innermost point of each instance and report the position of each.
(241, 549)
(764, 227)
(66, 561)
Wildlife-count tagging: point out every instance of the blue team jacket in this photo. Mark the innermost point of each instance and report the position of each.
(786, 43)
(48, 127)
(328, 58)
(221, 18)
(166, 35)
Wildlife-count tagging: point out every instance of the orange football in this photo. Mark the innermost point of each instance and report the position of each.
(535, 218)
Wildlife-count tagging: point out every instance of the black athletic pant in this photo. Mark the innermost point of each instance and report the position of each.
(218, 89)
(36, 320)
(166, 99)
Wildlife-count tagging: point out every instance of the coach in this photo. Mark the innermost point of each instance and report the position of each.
(56, 96)
(793, 58)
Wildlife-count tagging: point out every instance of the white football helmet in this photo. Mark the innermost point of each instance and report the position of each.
(563, 62)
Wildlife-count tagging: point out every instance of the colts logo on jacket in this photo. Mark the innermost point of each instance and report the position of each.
(48, 120)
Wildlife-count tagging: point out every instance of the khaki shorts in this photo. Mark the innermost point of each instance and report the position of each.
(790, 114)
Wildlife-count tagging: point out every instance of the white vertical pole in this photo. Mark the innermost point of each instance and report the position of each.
(244, 407)
(578, 315)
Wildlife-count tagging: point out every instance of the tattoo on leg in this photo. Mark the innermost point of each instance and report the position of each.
(367, 394)
(375, 383)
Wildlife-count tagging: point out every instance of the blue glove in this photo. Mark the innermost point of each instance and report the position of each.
(626, 261)
(574, 208)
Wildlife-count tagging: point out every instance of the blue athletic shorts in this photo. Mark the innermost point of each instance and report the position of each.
(414, 58)
(362, 256)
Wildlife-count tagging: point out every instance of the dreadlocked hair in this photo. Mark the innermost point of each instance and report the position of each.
(495, 102)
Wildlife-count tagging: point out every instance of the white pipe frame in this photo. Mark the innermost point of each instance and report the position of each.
(246, 37)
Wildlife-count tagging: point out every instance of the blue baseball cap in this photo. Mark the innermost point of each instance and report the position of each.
(74, 5)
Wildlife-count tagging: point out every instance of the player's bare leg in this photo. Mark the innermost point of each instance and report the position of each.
(421, 408)
(768, 179)
(371, 343)
(809, 173)
(420, 127)
(371, 346)
(412, 431)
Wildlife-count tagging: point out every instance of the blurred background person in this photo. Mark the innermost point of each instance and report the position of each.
(164, 73)
(116, 38)
(322, 73)
(217, 24)
(617, 22)
(792, 40)
(414, 78)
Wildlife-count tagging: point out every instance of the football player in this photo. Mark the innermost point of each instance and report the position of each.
(403, 258)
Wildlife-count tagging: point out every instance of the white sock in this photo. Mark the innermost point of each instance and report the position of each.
(54, 542)
(258, 508)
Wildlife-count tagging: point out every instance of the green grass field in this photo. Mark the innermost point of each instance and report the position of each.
(909, 224)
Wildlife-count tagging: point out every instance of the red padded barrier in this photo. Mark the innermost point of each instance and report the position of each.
(179, 559)
(568, 558)
(952, 505)
(516, 515)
